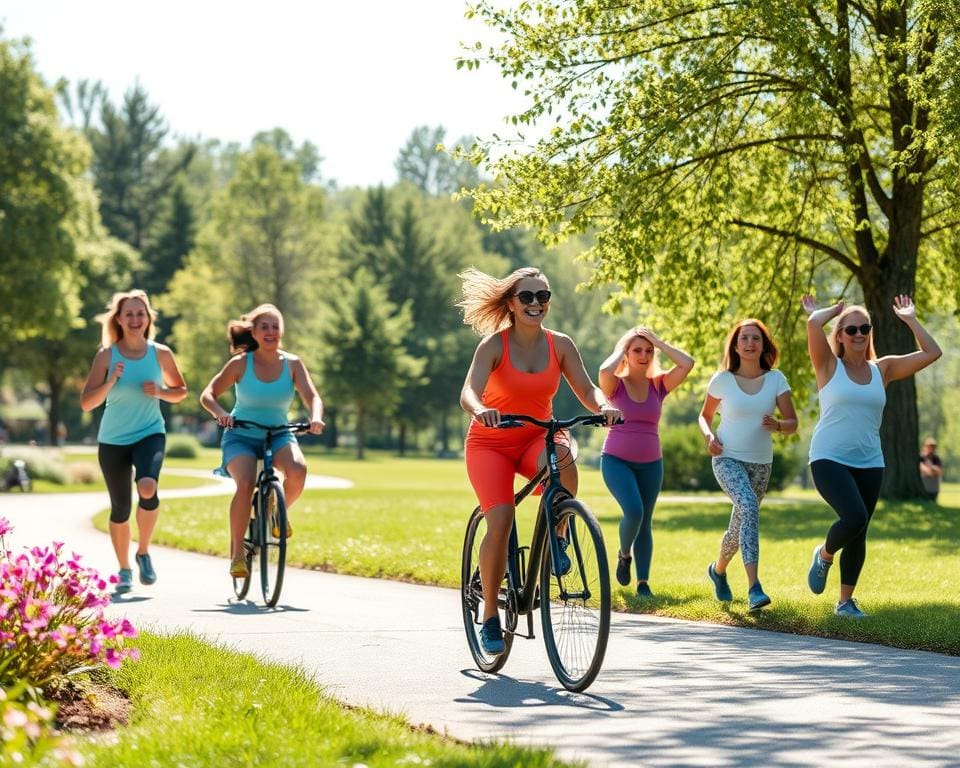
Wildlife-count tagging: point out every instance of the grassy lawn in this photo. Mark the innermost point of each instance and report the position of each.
(198, 705)
(405, 520)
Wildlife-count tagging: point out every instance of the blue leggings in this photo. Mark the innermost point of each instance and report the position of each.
(635, 486)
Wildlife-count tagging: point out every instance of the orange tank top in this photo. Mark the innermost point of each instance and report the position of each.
(512, 391)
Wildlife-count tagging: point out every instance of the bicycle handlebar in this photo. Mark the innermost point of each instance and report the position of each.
(508, 420)
(293, 426)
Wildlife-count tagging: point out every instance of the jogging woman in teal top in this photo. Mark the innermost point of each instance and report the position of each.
(265, 377)
(132, 375)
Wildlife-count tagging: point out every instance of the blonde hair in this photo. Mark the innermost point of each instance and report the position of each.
(484, 298)
(731, 358)
(240, 332)
(653, 367)
(836, 345)
(110, 330)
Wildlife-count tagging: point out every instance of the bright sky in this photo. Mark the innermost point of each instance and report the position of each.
(354, 77)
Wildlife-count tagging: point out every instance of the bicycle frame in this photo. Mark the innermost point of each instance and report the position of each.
(266, 473)
(523, 581)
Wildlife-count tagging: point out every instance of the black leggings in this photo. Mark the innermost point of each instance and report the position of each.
(853, 494)
(116, 461)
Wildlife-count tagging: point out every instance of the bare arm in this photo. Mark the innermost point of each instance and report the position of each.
(608, 368)
(226, 378)
(787, 423)
(682, 362)
(485, 359)
(705, 420)
(174, 388)
(822, 357)
(574, 371)
(97, 385)
(895, 367)
(309, 395)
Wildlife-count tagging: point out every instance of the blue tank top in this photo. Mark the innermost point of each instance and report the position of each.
(131, 415)
(848, 431)
(265, 402)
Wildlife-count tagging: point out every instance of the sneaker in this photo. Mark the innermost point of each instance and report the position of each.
(562, 566)
(643, 591)
(145, 566)
(491, 637)
(124, 581)
(275, 527)
(849, 609)
(238, 568)
(720, 587)
(756, 597)
(817, 576)
(623, 569)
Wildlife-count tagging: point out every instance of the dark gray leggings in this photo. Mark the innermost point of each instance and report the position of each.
(116, 461)
(853, 494)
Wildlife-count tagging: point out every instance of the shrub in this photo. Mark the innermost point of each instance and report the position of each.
(51, 616)
(83, 472)
(182, 446)
(27, 732)
(41, 464)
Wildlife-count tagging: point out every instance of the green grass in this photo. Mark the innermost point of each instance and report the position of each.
(199, 705)
(405, 520)
(167, 481)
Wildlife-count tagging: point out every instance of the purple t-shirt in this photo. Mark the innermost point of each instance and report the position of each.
(638, 438)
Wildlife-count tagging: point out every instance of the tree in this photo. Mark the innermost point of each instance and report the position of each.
(731, 154)
(425, 163)
(362, 365)
(42, 184)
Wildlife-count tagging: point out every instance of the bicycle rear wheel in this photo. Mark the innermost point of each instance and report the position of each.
(575, 608)
(242, 585)
(471, 597)
(273, 538)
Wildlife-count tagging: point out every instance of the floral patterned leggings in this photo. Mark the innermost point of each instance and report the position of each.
(745, 484)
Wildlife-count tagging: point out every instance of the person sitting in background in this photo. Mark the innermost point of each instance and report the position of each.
(931, 468)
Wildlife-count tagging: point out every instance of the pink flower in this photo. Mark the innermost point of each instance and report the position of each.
(5, 526)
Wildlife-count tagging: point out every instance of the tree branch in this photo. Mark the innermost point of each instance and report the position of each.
(832, 252)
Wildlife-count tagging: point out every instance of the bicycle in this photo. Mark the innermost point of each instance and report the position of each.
(576, 612)
(267, 532)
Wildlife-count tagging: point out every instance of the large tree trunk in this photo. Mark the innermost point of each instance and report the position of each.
(402, 439)
(362, 431)
(53, 415)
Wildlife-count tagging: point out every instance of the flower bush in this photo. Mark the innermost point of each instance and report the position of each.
(51, 616)
(28, 735)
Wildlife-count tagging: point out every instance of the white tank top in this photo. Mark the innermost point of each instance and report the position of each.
(848, 431)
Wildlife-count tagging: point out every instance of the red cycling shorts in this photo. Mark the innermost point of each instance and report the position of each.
(495, 456)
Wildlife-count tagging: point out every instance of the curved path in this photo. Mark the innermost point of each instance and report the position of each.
(671, 692)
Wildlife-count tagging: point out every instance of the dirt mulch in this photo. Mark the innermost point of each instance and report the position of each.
(88, 705)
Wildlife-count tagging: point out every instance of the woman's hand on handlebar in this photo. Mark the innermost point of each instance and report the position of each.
(489, 417)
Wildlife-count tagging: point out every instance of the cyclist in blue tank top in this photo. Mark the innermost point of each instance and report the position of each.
(264, 377)
(132, 375)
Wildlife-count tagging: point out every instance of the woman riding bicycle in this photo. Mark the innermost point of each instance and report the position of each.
(516, 368)
(265, 377)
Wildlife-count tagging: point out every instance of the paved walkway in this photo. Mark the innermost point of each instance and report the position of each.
(671, 693)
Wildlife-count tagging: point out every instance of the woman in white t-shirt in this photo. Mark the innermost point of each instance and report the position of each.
(745, 392)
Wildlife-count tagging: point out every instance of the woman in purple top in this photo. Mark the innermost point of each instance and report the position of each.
(631, 462)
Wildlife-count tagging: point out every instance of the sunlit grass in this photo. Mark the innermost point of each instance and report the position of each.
(200, 705)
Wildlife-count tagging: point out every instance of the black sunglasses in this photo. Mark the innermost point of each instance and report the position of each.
(527, 297)
(851, 330)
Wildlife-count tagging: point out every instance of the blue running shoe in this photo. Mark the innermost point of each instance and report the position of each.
(491, 637)
(720, 587)
(817, 576)
(562, 566)
(623, 569)
(756, 597)
(643, 591)
(145, 566)
(124, 581)
(849, 609)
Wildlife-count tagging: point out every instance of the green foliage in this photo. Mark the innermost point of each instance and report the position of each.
(182, 446)
(28, 734)
(425, 162)
(41, 464)
(732, 156)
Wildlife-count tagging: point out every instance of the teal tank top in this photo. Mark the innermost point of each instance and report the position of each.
(131, 415)
(265, 402)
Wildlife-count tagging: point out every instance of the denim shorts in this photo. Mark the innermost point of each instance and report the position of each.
(249, 442)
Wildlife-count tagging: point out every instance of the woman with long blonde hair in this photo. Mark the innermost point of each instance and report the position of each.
(132, 374)
(516, 368)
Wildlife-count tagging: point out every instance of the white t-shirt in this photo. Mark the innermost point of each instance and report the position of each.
(741, 415)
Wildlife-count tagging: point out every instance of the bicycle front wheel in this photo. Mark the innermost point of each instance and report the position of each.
(575, 606)
(471, 597)
(273, 538)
